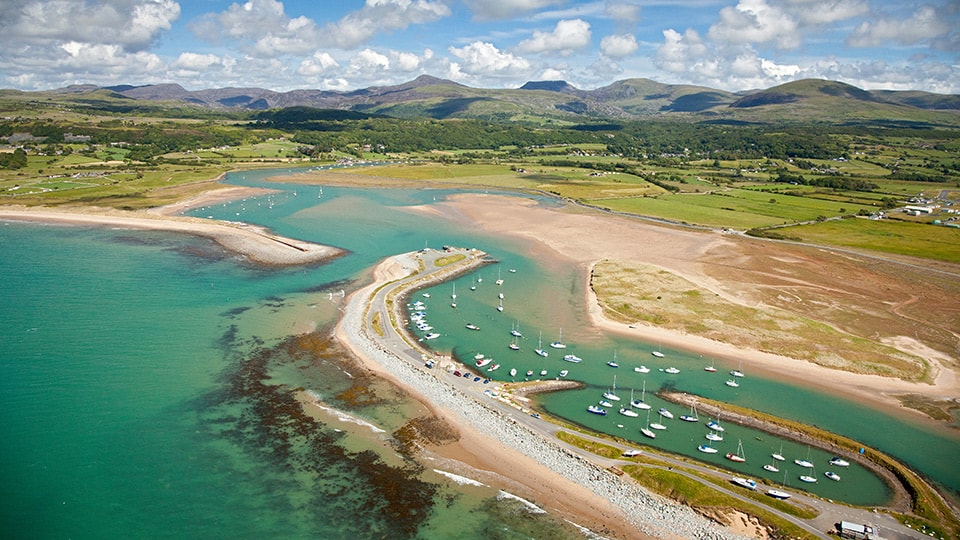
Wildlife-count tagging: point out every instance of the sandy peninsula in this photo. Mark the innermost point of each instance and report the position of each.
(254, 243)
(754, 273)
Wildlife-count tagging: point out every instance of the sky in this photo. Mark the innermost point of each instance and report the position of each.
(349, 44)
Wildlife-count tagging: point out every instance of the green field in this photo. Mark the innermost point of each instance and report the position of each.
(888, 236)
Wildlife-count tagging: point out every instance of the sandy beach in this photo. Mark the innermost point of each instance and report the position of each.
(731, 266)
(256, 244)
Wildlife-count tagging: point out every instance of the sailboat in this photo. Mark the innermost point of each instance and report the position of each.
(657, 352)
(658, 425)
(626, 411)
(558, 344)
(514, 345)
(692, 417)
(715, 424)
(805, 462)
(515, 331)
(772, 467)
(612, 394)
(737, 372)
(539, 350)
(707, 448)
(711, 368)
(714, 436)
(500, 306)
(732, 383)
(779, 494)
(499, 279)
(640, 404)
(646, 430)
(738, 457)
(809, 478)
(779, 455)
(453, 296)
(613, 361)
(474, 286)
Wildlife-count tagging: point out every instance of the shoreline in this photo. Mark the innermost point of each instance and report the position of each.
(493, 441)
(257, 244)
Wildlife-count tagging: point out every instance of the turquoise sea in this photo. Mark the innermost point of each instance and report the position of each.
(147, 383)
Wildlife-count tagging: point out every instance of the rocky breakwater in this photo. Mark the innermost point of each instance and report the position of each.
(649, 513)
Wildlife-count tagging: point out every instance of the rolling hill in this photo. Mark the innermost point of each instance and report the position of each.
(558, 102)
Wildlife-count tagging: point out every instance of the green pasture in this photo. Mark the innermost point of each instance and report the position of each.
(888, 236)
(734, 208)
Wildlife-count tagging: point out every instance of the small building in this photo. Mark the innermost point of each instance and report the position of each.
(848, 529)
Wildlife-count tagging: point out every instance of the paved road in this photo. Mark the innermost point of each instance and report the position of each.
(423, 272)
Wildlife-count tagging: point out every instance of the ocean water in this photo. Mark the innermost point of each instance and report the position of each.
(148, 382)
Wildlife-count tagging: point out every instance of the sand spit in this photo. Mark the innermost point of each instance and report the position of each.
(257, 244)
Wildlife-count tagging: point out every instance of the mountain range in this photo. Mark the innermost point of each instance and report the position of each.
(558, 101)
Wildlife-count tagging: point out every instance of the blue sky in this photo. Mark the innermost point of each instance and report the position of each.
(345, 45)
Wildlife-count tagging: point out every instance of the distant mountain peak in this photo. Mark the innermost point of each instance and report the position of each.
(550, 86)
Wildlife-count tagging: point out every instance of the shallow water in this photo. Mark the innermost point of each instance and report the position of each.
(147, 382)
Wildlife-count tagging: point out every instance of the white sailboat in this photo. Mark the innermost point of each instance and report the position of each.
(612, 394)
(640, 404)
(499, 279)
(646, 430)
(539, 350)
(514, 345)
(658, 353)
(658, 425)
(515, 331)
(805, 462)
(707, 448)
(738, 372)
(558, 344)
(500, 306)
(779, 455)
(692, 417)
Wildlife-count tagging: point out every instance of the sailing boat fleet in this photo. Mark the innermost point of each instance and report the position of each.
(629, 409)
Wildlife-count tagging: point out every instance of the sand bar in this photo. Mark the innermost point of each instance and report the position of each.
(257, 244)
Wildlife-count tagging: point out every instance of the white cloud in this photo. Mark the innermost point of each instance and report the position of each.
(925, 24)
(316, 64)
(262, 26)
(130, 24)
(195, 62)
(406, 61)
(679, 52)
(755, 21)
(618, 46)
(623, 12)
(818, 12)
(369, 59)
(360, 26)
(481, 58)
(565, 38)
(738, 68)
(553, 74)
(486, 10)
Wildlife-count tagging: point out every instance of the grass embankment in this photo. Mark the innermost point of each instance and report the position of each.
(927, 507)
(631, 293)
(691, 492)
